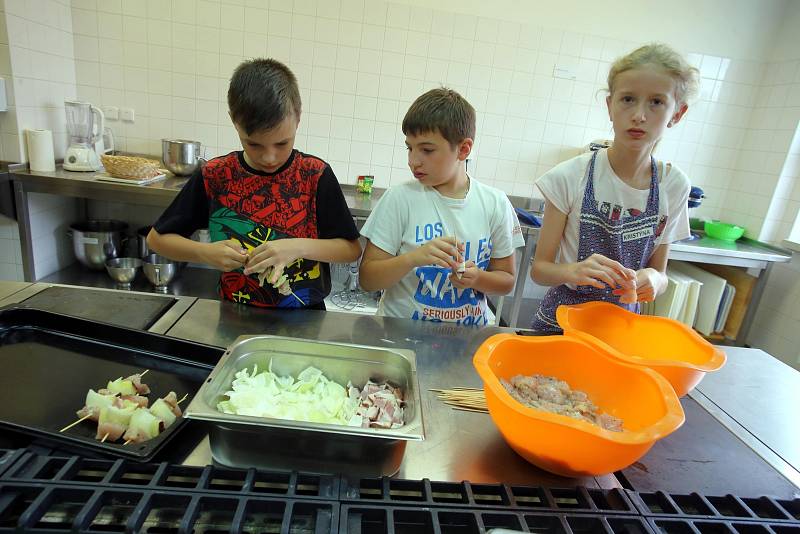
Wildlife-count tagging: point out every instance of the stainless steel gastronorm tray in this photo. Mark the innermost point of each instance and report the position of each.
(246, 441)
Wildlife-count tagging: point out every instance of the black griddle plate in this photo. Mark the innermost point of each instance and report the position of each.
(49, 362)
(121, 308)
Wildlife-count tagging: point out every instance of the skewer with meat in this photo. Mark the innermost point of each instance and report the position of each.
(147, 424)
(114, 419)
(131, 385)
(95, 401)
(166, 409)
(142, 426)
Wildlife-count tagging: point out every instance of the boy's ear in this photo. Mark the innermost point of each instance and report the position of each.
(465, 148)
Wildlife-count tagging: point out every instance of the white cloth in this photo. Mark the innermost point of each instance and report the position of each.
(409, 215)
(565, 184)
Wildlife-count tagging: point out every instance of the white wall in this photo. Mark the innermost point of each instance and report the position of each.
(42, 60)
(10, 253)
(777, 322)
(360, 64)
(41, 67)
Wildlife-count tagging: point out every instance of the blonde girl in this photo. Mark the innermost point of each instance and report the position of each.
(610, 215)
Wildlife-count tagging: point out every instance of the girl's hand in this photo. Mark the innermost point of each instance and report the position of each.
(647, 280)
(276, 254)
(224, 255)
(443, 251)
(599, 271)
(468, 278)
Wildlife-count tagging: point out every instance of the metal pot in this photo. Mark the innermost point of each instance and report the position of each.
(181, 157)
(97, 240)
(142, 249)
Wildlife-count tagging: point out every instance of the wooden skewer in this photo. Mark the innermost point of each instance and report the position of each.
(462, 398)
(144, 373)
(182, 399)
(104, 438)
(127, 442)
(474, 410)
(298, 298)
(85, 417)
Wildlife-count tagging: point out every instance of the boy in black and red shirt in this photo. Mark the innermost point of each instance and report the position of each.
(269, 208)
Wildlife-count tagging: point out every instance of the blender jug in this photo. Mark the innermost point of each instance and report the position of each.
(81, 154)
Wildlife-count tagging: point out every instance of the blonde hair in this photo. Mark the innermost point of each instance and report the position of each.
(687, 78)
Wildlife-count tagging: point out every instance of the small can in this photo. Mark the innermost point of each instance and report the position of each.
(364, 184)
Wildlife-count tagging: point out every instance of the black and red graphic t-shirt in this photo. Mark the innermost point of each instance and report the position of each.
(302, 199)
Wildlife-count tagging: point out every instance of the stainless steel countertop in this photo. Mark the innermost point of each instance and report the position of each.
(709, 250)
(461, 445)
(8, 288)
(84, 185)
(761, 394)
(458, 445)
(754, 396)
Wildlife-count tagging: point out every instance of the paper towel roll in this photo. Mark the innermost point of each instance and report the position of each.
(40, 150)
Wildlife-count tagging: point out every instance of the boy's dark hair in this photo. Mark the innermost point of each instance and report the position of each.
(262, 93)
(442, 110)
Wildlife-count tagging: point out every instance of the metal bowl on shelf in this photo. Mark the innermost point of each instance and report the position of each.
(97, 240)
(123, 270)
(159, 271)
(181, 157)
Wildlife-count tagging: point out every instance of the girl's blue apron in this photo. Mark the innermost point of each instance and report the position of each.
(628, 240)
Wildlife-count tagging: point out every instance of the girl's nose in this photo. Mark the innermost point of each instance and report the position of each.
(639, 114)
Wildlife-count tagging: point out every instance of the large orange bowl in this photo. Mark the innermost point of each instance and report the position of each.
(642, 398)
(669, 347)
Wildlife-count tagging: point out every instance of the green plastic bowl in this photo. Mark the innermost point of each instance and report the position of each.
(723, 231)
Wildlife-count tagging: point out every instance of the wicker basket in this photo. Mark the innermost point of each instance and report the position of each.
(130, 167)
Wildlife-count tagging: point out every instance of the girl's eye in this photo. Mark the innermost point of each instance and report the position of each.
(627, 99)
(427, 150)
(657, 101)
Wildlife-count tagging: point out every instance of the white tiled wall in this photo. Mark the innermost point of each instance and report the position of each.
(10, 251)
(42, 60)
(37, 57)
(776, 328)
(10, 255)
(761, 192)
(51, 216)
(360, 64)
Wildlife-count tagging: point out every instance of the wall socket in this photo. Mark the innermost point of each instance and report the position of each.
(564, 71)
(126, 114)
(111, 113)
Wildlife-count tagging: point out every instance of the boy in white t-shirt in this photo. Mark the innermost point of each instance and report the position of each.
(438, 245)
(610, 215)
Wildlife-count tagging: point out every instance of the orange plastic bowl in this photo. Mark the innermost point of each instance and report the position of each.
(673, 349)
(643, 399)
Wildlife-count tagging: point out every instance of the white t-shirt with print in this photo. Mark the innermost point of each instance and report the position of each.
(565, 184)
(409, 215)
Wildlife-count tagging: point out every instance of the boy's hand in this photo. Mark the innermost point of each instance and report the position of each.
(468, 278)
(224, 255)
(442, 251)
(599, 271)
(276, 254)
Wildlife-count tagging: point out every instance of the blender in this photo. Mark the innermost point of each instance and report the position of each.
(81, 154)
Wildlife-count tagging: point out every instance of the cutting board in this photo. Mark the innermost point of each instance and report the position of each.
(744, 284)
(710, 295)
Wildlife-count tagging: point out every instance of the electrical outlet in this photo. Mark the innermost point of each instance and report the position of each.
(562, 71)
(126, 114)
(111, 112)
